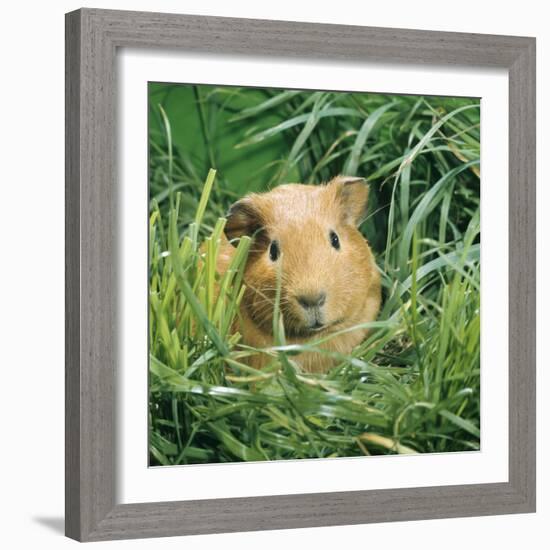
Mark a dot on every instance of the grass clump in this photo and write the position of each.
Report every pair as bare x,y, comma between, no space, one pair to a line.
414,384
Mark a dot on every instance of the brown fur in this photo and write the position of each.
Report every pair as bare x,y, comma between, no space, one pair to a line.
300,218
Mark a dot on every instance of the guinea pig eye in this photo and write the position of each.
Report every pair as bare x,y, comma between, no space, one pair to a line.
334,240
274,251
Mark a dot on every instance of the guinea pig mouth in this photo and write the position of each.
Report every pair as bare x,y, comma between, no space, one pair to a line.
313,328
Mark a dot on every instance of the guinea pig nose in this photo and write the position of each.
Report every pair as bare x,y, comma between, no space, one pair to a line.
311,300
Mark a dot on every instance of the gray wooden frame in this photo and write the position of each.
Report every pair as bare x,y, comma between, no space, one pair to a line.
92,38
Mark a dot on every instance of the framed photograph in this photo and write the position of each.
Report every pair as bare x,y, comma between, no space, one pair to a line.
300,275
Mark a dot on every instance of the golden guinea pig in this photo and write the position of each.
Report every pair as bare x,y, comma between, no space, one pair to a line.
329,280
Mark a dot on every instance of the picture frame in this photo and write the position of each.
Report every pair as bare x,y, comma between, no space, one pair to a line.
92,39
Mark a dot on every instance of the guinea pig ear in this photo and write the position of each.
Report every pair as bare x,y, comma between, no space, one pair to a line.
352,194
243,218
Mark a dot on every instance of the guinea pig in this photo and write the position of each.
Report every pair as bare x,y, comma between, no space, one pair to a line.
329,279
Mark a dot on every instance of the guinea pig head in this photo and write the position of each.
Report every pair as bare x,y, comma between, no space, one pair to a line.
307,235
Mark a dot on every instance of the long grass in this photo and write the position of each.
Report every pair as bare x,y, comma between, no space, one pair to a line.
414,384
